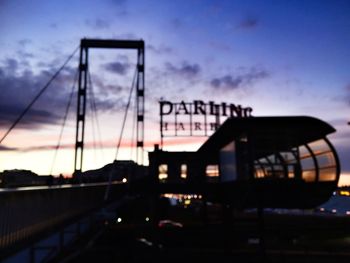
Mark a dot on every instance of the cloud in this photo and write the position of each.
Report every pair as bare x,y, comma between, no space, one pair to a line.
248,22
127,36
162,49
220,46
185,70
98,23
53,25
11,65
24,42
119,2
120,7
343,151
110,104
117,67
24,55
176,23
19,86
339,122
8,113
126,143
347,94
47,147
240,80
5,148
107,97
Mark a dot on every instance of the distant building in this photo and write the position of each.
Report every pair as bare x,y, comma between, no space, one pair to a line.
118,170
19,178
174,167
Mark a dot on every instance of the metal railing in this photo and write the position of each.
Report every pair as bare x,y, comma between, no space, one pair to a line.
28,212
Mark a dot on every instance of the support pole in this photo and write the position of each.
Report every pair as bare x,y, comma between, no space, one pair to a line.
140,107
81,110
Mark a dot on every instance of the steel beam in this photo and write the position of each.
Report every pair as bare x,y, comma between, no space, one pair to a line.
103,43
81,110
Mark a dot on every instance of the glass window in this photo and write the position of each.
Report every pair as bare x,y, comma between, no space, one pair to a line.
183,171
327,174
163,172
271,159
263,161
319,146
259,171
228,162
325,160
278,171
291,171
212,170
307,163
309,175
303,152
288,157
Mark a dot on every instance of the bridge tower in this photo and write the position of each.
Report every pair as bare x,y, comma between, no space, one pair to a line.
85,44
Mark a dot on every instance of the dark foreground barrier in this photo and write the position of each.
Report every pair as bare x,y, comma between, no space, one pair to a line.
29,212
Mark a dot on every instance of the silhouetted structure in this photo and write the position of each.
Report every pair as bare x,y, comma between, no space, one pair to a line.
118,171
282,162
85,45
19,178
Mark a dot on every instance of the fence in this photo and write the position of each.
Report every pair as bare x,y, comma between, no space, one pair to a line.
28,212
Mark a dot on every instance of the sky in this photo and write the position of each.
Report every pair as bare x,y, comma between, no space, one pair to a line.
278,57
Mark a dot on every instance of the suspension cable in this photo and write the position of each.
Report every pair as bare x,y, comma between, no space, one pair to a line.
133,132
92,119
112,170
38,96
64,121
95,115
126,114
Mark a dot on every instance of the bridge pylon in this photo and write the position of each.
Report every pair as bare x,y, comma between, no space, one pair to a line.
85,45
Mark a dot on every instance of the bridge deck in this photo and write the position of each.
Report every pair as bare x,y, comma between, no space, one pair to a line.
288,239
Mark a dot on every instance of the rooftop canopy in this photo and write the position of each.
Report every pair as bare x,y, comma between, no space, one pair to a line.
282,132
274,146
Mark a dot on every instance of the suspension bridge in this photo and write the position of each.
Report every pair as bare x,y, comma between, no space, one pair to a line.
252,162
30,213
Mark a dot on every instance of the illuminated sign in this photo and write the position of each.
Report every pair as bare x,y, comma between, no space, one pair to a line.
196,118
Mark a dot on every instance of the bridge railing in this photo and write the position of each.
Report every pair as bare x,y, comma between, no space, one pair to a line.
29,211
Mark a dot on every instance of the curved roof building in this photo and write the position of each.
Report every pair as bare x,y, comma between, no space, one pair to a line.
274,161
277,162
